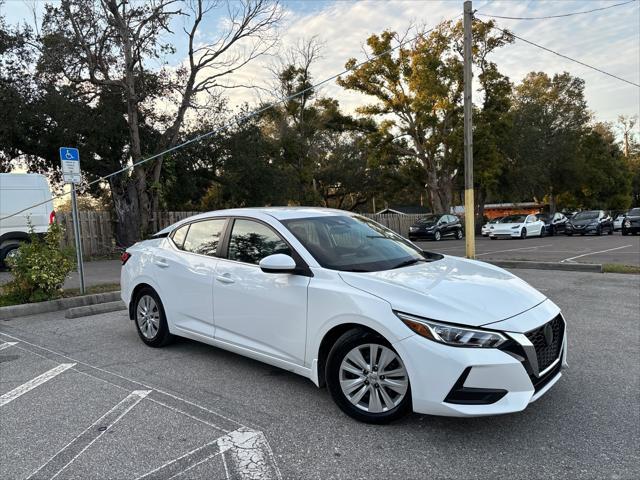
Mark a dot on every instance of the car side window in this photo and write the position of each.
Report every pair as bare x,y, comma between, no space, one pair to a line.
251,241
178,235
204,237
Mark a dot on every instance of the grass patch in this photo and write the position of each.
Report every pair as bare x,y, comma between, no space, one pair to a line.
8,300
619,268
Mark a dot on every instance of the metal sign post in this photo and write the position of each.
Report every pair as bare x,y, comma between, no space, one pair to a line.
70,159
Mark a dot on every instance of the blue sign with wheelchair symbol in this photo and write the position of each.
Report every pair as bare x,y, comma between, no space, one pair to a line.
69,154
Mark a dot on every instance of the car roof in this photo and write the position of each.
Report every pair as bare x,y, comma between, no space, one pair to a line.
279,213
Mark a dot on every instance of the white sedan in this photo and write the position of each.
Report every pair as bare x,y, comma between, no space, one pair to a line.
486,228
349,304
517,226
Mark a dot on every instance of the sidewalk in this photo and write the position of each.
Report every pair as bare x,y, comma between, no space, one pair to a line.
97,272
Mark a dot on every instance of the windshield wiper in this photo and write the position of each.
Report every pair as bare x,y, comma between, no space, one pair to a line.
406,263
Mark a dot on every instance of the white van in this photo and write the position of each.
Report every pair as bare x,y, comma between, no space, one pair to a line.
17,192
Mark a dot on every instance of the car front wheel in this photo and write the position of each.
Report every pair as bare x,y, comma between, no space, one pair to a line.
367,379
459,234
523,234
151,322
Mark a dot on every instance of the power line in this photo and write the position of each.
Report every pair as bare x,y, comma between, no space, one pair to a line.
224,127
509,32
556,16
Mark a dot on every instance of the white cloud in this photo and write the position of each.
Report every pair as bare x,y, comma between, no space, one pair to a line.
608,39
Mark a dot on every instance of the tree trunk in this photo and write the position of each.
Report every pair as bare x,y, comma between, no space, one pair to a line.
127,211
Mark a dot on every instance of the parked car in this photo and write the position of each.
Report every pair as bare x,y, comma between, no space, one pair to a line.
590,221
631,222
553,224
350,304
617,222
436,226
517,226
18,192
487,226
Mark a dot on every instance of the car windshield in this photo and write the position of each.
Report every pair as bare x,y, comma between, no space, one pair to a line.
353,243
588,215
428,220
542,216
514,219
496,220
634,212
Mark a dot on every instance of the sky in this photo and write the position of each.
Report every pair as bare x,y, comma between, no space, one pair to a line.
609,40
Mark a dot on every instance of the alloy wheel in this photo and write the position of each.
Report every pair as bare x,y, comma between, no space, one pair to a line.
373,378
148,316
437,236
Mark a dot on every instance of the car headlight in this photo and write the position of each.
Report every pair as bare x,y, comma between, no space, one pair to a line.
452,334
517,226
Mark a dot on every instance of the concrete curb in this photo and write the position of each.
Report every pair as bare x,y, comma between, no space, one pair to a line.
570,267
95,309
14,311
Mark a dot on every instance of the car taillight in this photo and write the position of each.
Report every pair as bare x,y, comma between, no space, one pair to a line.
125,257
52,217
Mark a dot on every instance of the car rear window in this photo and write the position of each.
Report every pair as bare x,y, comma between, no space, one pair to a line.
203,237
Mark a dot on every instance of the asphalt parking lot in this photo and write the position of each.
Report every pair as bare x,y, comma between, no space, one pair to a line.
85,399
614,248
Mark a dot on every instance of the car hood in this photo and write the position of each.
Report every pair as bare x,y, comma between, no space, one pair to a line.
451,290
505,226
584,222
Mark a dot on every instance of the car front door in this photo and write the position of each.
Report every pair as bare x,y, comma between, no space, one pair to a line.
185,276
262,312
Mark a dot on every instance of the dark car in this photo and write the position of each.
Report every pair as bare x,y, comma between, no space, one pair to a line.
590,221
436,226
556,223
631,222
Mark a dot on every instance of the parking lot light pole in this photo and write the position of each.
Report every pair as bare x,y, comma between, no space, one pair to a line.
469,220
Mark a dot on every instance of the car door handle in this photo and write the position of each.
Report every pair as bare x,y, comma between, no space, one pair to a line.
161,262
225,278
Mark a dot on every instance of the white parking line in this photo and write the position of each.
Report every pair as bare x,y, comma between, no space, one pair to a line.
512,250
7,345
76,447
594,253
31,384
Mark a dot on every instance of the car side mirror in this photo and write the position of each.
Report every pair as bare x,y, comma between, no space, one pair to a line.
277,263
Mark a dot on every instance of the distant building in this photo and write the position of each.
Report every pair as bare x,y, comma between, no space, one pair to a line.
494,210
405,210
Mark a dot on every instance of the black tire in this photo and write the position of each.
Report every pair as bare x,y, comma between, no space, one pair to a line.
543,232
493,238
459,234
624,232
523,234
162,336
437,235
599,231
345,344
6,251
569,234
611,231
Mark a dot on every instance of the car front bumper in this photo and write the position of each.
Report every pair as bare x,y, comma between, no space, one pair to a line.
515,233
499,382
421,234
585,229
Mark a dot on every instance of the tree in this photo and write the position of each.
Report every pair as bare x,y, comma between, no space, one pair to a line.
110,47
631,149
549,120
603,180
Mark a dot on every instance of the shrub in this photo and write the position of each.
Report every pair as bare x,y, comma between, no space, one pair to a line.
39,269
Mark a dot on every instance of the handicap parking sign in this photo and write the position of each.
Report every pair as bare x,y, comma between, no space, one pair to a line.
70,161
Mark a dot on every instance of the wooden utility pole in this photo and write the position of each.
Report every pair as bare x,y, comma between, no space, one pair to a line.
469,210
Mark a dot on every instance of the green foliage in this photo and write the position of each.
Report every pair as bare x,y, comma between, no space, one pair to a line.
39,269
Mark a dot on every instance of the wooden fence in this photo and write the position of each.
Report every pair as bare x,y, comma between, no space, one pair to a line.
398,223
98,228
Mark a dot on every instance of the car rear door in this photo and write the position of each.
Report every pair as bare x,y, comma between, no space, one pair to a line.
262,312
185,271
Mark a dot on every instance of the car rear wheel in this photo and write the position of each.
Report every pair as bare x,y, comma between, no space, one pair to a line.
150,319
367,379
9,252
437,236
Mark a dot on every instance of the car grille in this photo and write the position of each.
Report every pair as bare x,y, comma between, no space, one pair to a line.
547,352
